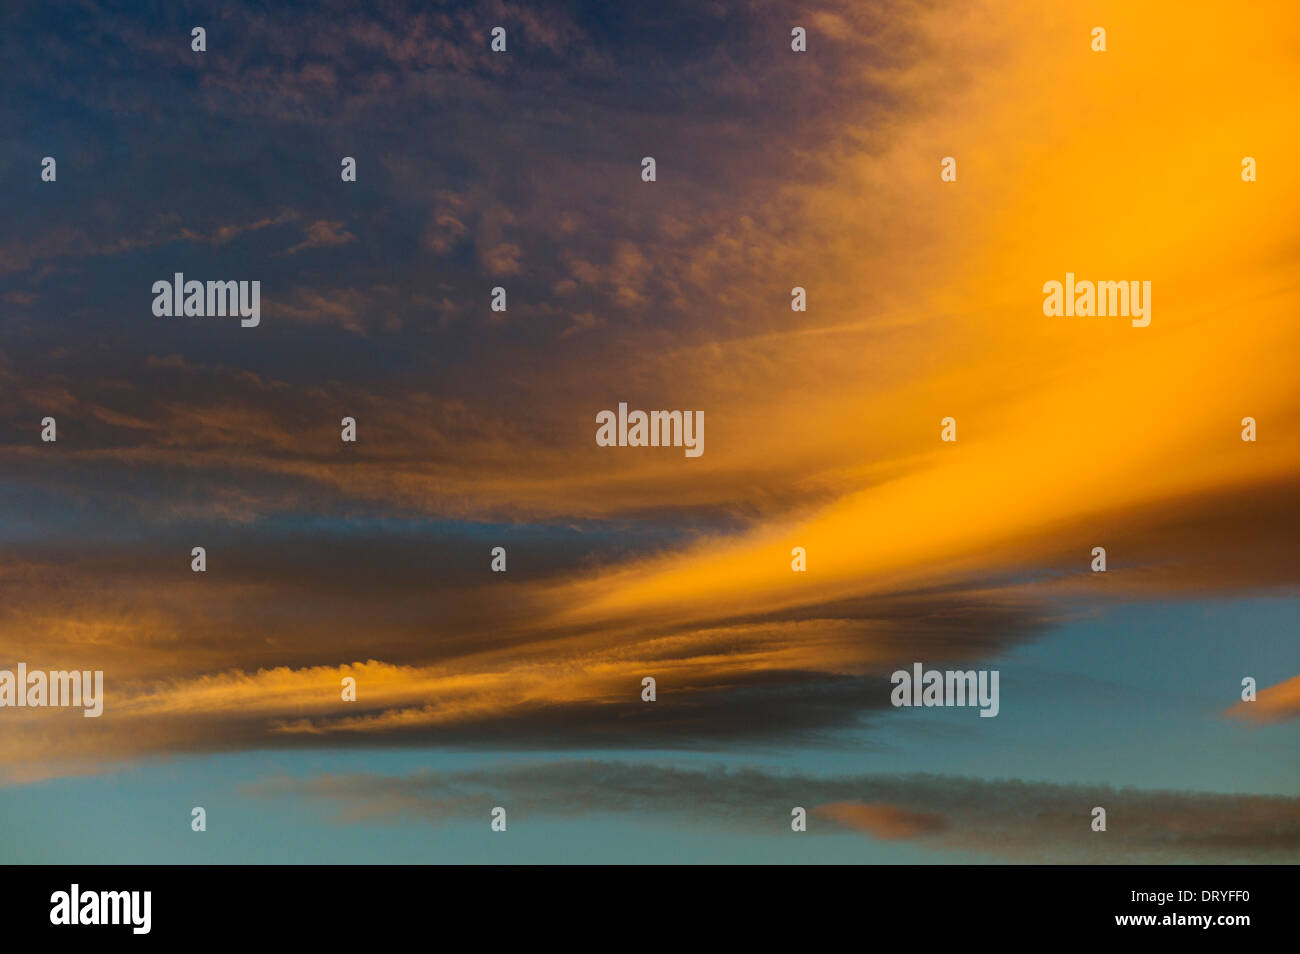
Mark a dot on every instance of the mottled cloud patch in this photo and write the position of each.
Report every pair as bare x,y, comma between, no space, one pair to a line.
322,234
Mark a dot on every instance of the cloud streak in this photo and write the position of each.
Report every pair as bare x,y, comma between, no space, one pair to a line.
1007,820
1274,704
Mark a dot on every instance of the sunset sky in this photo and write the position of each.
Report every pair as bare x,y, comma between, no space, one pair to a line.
475,429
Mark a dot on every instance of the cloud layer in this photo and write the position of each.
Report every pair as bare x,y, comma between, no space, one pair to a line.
1006,820
475,428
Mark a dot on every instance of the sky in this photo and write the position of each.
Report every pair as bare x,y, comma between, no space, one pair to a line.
371,560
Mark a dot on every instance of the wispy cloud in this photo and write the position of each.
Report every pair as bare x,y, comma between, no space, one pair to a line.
1009,819
1273,704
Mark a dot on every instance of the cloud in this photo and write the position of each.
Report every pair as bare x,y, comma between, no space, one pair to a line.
322,234
490,673
503,259
882,821
1007,820
224,234
584,321
1274,704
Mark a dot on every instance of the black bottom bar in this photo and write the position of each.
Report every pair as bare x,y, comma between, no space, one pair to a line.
657,905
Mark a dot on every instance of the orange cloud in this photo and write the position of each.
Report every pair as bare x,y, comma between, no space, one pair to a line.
1274,704
883,821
